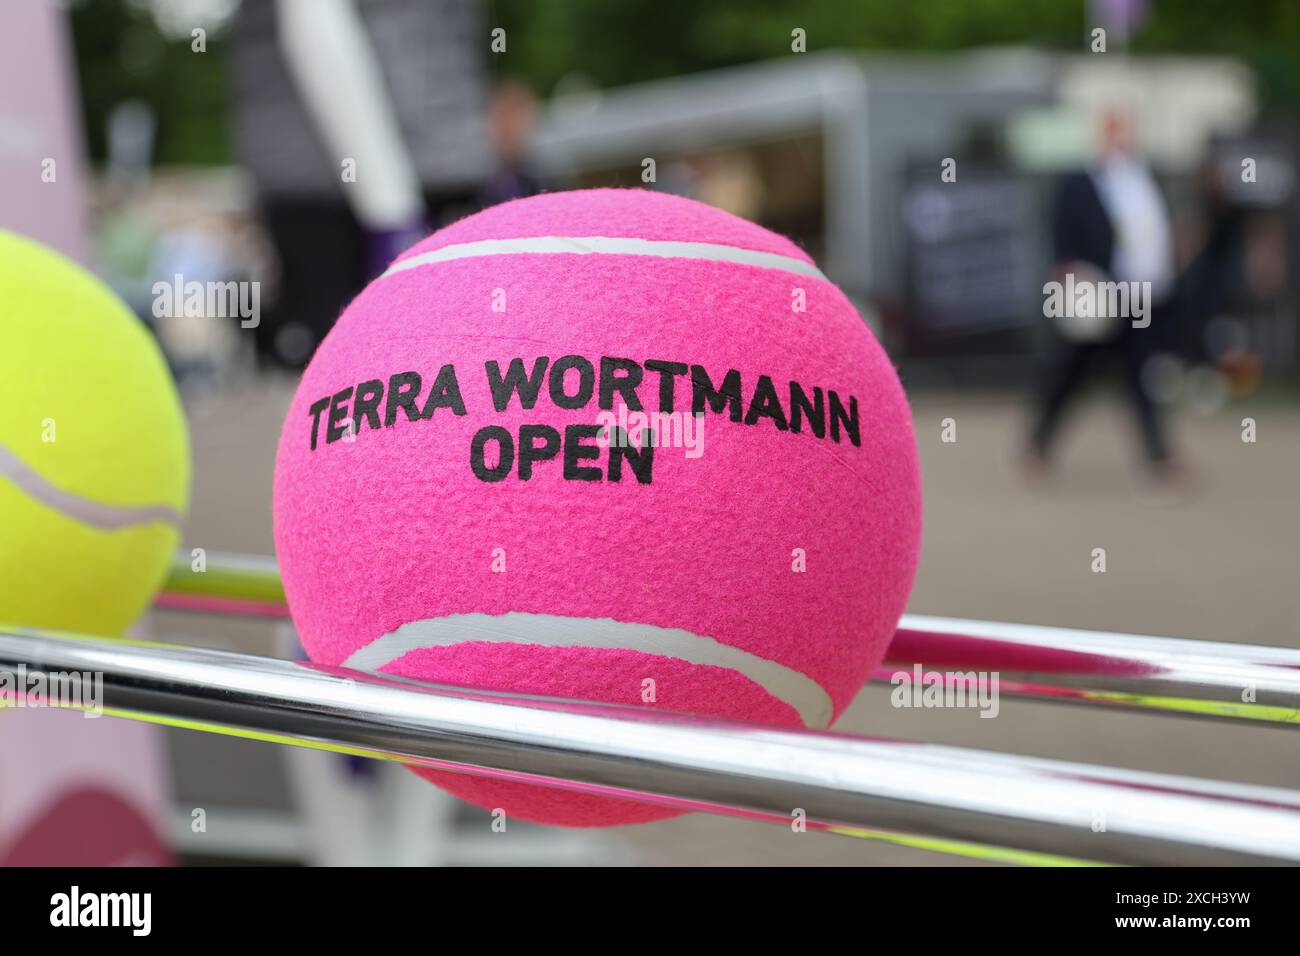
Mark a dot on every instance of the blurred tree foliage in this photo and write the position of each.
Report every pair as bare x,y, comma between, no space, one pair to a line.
122,53
611,43
1263,33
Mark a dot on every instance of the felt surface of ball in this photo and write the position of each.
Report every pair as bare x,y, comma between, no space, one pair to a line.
463,494
94,452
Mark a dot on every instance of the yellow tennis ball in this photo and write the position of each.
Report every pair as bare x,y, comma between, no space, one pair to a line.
94,453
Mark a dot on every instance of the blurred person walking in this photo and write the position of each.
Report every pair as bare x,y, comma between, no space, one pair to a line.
362,125
1214,282
512,117
1110,225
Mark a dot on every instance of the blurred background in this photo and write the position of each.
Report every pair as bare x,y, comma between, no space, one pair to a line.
940,160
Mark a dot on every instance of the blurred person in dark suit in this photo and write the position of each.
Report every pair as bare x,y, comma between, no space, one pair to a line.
1110,224
362,124
1213,283
512,117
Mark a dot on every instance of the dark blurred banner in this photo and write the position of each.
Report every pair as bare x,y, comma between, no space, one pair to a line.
971,258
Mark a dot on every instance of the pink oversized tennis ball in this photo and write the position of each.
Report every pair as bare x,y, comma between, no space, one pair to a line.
467,489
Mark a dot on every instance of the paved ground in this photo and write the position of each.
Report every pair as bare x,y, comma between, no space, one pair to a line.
1217,563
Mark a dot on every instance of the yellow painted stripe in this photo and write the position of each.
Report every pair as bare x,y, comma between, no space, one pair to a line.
1191,705
251,584
975,851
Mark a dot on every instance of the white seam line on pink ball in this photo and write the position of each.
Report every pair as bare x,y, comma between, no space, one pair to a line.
800,691
93,513
609,246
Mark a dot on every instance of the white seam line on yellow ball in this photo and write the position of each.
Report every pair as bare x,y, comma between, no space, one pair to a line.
605,245
93,513
798,690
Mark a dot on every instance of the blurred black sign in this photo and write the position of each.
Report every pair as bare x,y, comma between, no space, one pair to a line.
973,263
1254,173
